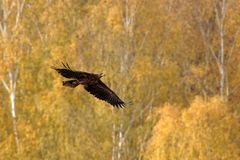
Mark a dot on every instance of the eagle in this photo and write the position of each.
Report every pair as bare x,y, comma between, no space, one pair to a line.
91,83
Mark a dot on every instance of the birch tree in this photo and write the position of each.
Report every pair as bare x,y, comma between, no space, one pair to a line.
211,21
9,28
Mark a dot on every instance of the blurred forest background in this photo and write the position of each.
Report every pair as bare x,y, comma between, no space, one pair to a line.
176,60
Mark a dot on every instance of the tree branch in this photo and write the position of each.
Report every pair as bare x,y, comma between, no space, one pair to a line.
19,12
6,86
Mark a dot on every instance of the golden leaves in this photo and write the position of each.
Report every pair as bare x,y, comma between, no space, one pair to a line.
202,131
114,19
160,45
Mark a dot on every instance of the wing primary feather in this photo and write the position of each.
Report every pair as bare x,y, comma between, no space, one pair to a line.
68,66
64,65
101,91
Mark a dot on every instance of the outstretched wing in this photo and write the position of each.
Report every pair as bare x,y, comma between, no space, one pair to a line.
101,91
67,72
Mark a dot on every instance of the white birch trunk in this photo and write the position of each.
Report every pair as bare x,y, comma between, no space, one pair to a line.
11,89
8,30
120,141
222,65
220,23
114,142
219,57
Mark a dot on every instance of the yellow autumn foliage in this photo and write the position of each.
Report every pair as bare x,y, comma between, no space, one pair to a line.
162,57
204,130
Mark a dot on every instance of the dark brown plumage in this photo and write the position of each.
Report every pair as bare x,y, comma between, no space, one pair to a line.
91,83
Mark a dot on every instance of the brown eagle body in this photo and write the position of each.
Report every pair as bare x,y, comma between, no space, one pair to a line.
91,83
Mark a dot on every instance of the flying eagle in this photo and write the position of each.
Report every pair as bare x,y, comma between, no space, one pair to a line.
91,83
